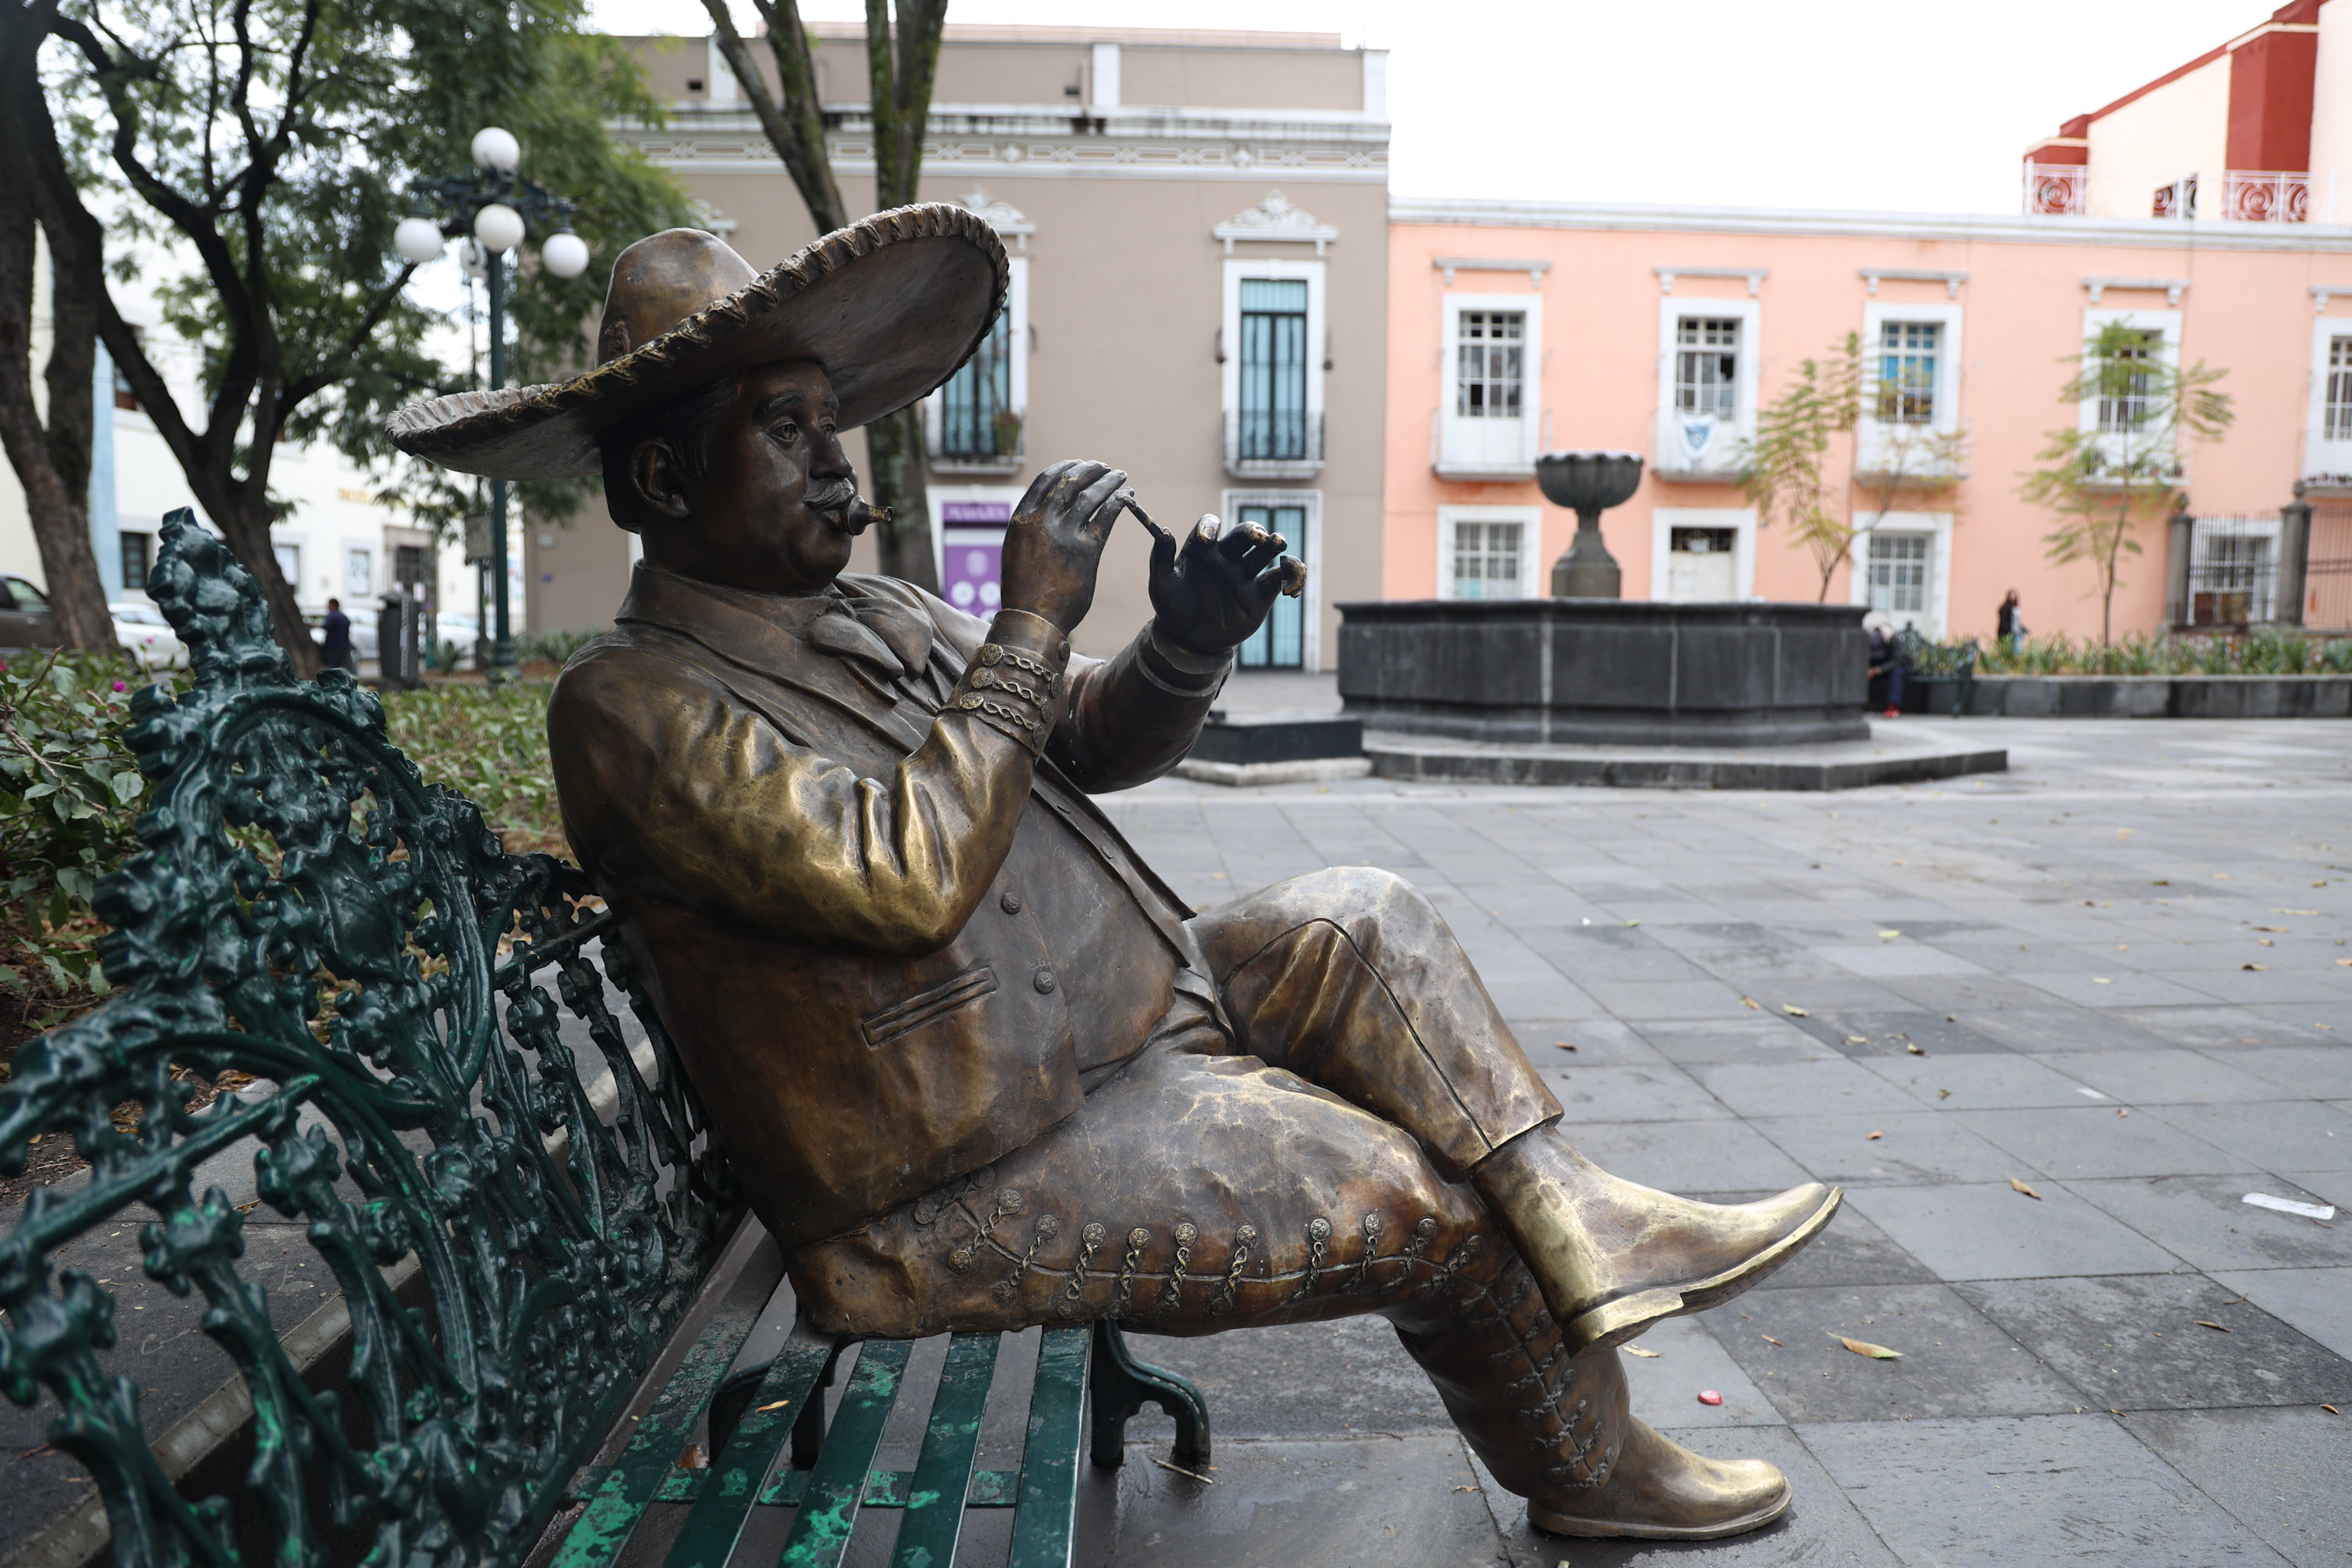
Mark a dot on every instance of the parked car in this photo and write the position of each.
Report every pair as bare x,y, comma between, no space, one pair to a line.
25,618
147,636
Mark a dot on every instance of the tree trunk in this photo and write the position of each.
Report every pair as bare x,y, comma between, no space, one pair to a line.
246,528
52,464
895,447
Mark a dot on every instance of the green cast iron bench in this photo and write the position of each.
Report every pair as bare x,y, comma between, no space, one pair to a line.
547,1275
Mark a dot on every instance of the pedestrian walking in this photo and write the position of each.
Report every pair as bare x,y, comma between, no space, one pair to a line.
2011,629
335,639
1887,660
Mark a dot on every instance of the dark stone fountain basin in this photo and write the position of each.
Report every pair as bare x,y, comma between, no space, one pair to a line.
1606,671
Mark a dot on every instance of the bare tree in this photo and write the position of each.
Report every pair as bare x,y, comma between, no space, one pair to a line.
49,452
901,63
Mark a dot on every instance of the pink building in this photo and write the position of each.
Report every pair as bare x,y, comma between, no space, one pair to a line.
1519,327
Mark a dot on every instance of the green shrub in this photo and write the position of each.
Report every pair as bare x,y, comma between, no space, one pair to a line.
554,648
2274,650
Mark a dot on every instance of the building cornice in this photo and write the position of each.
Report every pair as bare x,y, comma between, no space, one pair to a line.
2152,233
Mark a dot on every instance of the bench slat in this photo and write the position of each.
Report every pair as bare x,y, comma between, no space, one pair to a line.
731,1484
837,1485
651,1456
1048,1515
936,1496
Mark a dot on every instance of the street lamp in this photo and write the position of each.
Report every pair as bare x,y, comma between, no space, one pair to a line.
494,207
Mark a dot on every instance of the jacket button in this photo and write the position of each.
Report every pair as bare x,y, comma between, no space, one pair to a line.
1044,981
1010,903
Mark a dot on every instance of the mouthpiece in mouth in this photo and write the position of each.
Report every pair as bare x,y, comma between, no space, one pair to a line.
861,514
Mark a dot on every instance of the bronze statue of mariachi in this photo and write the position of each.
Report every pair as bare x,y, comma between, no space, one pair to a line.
977,1067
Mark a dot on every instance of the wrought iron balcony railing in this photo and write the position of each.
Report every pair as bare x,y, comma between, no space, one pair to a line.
1273,442
966,438
2244,196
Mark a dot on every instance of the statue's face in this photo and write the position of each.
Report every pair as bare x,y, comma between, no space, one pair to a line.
770,510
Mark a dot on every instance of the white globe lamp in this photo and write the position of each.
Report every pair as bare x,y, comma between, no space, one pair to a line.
496,149
566,255
418,239
498,227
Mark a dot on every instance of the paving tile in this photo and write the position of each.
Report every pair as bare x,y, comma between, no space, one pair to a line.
1820,1530
2051,1029
2165,1076
2118,987
1599,1042
2321,1072
1866,1034
1991,1232
1665,1386
1890,958
1299,1380
1613,953
1660,1093
2281,1472
2007,1491
2216,1027
2316,1300
1916,1147
2000,1080
2207,1221
1851,1251
1636,1000
1745,1037
1410,1500
2325,1186
1542,995
2293,1132
2096,1142
1792,1088
1954,1362
2134,1341
1688,1156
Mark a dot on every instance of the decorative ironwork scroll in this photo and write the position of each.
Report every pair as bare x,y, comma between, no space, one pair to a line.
310,912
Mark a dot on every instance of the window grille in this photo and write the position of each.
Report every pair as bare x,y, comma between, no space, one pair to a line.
1280,643
1898,572
1908,352
138,560
1706,365
1487,379
1487,560
977,398
1273,413
2340,389
2126,406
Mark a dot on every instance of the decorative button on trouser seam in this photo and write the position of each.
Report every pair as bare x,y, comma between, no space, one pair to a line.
1011,903
1044,980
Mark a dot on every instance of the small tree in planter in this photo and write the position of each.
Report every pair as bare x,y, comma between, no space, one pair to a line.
2102,476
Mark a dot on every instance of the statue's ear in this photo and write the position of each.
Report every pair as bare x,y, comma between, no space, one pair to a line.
659,483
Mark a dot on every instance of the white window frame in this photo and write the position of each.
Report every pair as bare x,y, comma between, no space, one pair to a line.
1741,520
1310,604
2320,455
1932,621
1531,558
1672,459
1017,306
1451,305
1317,347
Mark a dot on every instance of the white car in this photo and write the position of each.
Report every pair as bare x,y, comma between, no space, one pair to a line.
144,633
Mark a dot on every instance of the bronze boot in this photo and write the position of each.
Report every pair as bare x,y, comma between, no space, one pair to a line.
1614,1258
1659,1491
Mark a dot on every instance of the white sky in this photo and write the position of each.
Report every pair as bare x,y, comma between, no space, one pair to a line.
1819,103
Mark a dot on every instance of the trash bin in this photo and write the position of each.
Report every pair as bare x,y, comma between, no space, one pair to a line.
399,638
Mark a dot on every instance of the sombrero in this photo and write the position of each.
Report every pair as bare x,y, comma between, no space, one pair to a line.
890,306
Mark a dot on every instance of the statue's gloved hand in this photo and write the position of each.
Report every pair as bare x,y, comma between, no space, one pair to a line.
1053,545
1212,593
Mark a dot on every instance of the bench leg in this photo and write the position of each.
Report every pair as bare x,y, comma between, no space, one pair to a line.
1123,1385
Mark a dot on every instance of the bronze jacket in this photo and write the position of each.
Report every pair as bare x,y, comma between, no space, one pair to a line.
886,943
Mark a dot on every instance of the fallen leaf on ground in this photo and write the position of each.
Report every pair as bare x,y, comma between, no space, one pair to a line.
1943,1094
2121,1112
2265,941
1857,1040
2209,1324
1913,1047
1770,1341
2344,964
2101,980
1633,922
2331,1410
1874,1136
1888,935
2019,1186
1565,1045
1751,1002
2280,929
2253,966
693,1458
1795,1011
779,1404
1637,1350
1863,1347
1188,1475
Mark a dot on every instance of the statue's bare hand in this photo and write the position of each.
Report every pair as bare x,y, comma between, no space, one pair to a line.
1054,546
1212,593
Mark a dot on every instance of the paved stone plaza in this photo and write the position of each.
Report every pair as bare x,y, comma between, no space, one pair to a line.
2123,967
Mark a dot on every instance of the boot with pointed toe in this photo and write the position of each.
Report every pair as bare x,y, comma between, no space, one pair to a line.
1612,1257
1659,1491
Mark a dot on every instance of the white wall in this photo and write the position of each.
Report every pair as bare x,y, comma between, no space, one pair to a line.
2331,100
2182,127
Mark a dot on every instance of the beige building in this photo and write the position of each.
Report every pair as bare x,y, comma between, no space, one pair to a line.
1198,227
